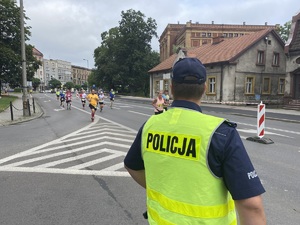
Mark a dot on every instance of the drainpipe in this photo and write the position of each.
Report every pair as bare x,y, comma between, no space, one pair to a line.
221,84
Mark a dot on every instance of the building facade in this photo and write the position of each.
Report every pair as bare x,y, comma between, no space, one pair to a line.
39,74
57,69
193,35
80,75
246,69
292,50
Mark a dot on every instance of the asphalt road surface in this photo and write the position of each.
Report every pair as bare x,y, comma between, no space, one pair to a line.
64,169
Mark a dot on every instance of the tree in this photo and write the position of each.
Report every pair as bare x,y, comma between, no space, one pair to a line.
69,85
284,30
35,83
54,83
125,54
10,45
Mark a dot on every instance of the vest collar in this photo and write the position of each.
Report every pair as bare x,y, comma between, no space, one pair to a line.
186,104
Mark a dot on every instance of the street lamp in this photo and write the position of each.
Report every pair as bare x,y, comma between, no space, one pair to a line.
87,63
87,84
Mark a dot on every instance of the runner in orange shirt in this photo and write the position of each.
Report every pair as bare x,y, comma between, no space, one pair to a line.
93,100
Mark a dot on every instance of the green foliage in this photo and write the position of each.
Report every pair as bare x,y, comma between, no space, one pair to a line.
35,82
10,46
69,85
77,87
92,79
125,54
54,83
18,90
284,30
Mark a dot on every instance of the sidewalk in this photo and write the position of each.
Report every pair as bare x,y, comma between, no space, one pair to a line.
221,105
17,109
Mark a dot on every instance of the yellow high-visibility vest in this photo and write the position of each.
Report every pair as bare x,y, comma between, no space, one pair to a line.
181,189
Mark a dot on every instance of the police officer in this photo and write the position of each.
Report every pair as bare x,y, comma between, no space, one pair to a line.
194,166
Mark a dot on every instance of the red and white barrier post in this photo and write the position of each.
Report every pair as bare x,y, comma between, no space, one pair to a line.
261,110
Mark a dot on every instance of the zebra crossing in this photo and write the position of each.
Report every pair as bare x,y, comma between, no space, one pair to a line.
97,149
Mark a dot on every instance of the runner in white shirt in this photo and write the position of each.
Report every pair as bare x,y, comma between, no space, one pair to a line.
101,100
83,98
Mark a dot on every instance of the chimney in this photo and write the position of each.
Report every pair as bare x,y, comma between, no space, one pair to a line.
266,23
212,22
244,23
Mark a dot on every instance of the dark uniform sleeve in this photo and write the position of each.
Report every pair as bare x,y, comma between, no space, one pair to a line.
228,159
133,159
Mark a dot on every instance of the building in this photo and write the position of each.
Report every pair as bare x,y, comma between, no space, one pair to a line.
39,74
80,75
245,69
195,35
292,50
57,69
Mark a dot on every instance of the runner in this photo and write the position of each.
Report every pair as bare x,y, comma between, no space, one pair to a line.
101,100
68,99
62,98
83,98
158,104
112,97
166,98
57,94
93,99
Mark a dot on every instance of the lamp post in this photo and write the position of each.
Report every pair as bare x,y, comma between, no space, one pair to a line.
24,76
87,83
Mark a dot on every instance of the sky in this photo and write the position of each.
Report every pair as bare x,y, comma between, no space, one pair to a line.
70,30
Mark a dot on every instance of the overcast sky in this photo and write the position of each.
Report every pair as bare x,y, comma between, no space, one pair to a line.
70,30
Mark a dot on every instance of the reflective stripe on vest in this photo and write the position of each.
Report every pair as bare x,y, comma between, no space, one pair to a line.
175,157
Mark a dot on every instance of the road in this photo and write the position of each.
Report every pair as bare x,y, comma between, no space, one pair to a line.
64,169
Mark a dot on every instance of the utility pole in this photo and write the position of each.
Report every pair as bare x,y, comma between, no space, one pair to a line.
87,83
24,76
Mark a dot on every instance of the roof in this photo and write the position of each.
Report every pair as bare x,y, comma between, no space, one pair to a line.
228,50
293,43
37,52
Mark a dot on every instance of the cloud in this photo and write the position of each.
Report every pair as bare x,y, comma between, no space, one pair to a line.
70,30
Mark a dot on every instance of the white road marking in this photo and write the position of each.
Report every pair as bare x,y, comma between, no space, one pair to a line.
140,113
65,171
109,138
251,131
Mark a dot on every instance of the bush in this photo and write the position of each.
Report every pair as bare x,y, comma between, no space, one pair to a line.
18,90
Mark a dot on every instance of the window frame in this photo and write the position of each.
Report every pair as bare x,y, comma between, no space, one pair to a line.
276,59
261,57
211,85
283,86
252,85
269,86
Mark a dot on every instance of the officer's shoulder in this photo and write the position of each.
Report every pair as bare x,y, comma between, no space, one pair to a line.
230,124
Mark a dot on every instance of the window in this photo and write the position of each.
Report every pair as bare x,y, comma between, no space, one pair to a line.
266,85
166,85
281,86
249,85
230,35
211,85
203,34
260,58
208,34
204,41
157,86
275,61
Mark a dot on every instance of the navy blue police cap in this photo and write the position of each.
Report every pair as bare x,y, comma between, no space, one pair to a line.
189,67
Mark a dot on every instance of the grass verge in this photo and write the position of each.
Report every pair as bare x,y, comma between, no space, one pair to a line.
5,101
